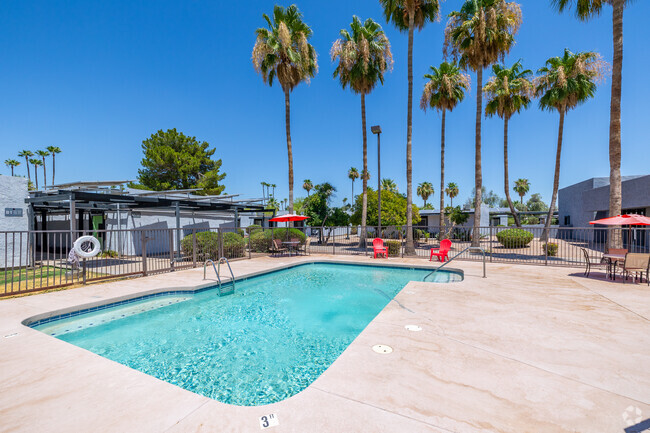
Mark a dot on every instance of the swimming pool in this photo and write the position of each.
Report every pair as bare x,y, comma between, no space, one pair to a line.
266,342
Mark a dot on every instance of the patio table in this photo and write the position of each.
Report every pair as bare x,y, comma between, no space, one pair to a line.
292,246
612,261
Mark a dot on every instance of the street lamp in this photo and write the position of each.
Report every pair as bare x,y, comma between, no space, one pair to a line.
377,130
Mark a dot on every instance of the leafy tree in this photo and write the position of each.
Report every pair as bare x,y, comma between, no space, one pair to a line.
456,215
363,56
175,161
482,32
451,191
282,51
535,203
54,150
489,198
407,15
509,91
298,205
307,186
393,209
564,83
43,154
26,154
425,190
522,186
353,174
36,163
444,91
11,163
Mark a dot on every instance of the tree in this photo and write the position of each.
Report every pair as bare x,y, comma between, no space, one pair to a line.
489,198
389,185
564,83
36,163
353,174
509,91
363,56
11,163
482,32
273,186
444,91
282,51
535,203
307,186
407,15
425,190
173,160
298,205
586,9
452,191
317,205
26,154
522,186
393,209
53,150
43,154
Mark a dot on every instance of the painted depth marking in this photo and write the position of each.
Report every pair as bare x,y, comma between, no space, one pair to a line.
267,421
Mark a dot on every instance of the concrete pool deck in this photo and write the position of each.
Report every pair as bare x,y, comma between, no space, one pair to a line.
528,349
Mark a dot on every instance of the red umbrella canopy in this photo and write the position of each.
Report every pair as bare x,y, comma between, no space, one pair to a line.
624,220
289,217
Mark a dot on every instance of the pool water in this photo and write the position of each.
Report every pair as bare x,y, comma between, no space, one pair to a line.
266,342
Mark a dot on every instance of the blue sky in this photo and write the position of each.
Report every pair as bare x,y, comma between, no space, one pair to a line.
96,78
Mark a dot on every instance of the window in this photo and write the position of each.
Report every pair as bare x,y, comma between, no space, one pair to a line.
567,220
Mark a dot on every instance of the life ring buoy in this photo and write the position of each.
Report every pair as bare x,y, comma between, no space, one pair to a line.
87,246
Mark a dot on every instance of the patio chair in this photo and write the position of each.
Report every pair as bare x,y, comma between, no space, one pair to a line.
378,248
304,248
276,247
443,252
636,264
591,261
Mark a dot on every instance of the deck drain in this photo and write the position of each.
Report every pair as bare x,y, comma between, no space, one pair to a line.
413,328
382,348
11,335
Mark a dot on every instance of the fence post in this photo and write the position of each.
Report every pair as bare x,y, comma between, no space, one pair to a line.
171,249
333,240
220,248
491,242
143,246
548,236
401,245
194,248
250,253
83,265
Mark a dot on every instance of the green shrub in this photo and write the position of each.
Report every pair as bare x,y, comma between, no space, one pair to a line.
109,253
233,245
514,238
260,241
207,245
353,230
394,248
550,249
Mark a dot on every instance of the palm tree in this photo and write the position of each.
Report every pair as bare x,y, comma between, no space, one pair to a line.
11,163
263,190
53,150
451,191
43,154
444,91
363,55
563,84
282,51
26,154
509,91
353,174
425,190
389,185
407,15
482,32
522,186
273,186
36,162
307,186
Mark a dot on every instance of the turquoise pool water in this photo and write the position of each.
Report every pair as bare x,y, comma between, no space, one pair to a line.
268,341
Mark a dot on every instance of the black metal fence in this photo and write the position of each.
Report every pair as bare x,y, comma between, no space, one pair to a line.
39,260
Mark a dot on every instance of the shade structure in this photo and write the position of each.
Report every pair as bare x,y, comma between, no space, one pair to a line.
624,220
289,217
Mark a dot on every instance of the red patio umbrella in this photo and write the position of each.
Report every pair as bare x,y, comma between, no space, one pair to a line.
289,217
624,220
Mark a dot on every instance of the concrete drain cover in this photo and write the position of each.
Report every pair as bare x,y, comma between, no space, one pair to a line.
382,348
413,328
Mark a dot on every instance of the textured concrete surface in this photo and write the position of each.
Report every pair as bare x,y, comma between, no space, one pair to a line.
528,349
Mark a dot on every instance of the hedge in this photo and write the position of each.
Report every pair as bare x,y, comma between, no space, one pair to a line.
550,249
207,245
260,241
394,248
514,238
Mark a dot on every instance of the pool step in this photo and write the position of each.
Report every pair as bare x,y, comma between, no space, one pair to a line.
226,288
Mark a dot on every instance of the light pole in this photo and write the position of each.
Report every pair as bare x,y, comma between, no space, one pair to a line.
377,130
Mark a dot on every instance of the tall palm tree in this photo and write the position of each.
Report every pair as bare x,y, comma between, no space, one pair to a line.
522,186
389,185
444,91
26,154
353,174
425,190
363,56
282,51
407,15
263,190
452,191
53,150
586,9
36,163
307,186
273,186
11,163
43,154
508,92
482,32
563,84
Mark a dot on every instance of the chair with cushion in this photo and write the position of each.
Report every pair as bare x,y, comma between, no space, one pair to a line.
378,248
442,252
636,264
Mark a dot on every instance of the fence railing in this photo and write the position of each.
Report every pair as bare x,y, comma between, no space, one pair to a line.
39,260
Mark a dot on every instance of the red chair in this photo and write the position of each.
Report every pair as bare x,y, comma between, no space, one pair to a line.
445,246
378,247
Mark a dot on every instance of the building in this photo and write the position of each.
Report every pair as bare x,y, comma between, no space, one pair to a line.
430,218
13,218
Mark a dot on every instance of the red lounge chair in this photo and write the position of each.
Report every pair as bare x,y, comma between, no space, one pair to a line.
445,246
379,248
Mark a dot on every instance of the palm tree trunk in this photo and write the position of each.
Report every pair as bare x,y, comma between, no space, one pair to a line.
351,201
29,177
36,175
287,116
44,175
556,179
478,174
12,171
53,168
409,248
615,192
364,176
442,175
506,180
